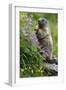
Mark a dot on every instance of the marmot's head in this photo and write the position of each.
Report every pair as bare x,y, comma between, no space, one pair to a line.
42,22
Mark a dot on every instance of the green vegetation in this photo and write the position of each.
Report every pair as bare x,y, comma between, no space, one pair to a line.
31,62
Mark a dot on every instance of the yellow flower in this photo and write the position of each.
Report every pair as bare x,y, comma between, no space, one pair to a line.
22,70
32,71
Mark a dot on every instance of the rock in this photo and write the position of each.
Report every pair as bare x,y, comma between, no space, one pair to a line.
51,69
51,66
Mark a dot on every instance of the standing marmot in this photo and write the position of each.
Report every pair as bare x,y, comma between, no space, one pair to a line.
45,40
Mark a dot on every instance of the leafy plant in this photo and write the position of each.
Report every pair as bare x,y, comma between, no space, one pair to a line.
30,59
31,62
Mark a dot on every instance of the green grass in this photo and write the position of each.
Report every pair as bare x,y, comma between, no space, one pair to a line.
30,60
